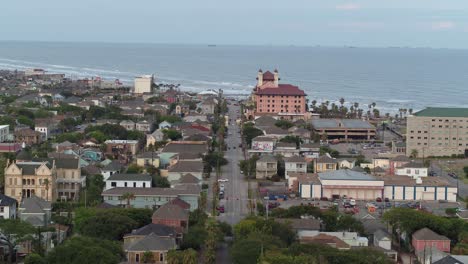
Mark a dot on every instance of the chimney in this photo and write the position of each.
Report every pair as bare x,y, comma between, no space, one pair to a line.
259,78
276,78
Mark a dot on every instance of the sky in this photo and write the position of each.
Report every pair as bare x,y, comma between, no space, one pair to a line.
367,23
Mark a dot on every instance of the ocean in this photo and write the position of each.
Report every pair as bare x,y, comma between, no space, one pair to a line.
393,78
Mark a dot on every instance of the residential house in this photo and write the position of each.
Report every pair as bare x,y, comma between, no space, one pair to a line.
399,148
68,177
128,180
46,128
302,225
153,197
4,132
310,150
186,147
412,169
286,149
112,168
350,238
28,136
156,136
148,158
128,124
208,106
143,126
346,163
300,132
267,166
176,171
121,147
171,214
186,179
382,239
156,245
294,164
397,162
325,163
165,125
7,207
425,237
26,179
142,232
35,211
452,259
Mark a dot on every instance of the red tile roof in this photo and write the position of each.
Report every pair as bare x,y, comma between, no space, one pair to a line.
268,76
282,89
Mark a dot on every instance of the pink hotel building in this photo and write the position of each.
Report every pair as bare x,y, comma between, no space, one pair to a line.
272,97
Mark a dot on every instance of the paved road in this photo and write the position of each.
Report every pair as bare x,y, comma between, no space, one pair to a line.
462,187
236,189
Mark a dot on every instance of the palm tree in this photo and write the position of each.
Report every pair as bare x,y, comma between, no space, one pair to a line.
414,153
373,104
342,101
127,196
172,257
190,256
410,111
46,184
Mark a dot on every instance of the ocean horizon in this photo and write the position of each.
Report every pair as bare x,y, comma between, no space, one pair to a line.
393,77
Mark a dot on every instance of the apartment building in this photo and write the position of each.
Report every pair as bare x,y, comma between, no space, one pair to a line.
437,131
143,84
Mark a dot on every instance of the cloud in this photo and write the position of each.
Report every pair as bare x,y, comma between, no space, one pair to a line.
442,25
348,6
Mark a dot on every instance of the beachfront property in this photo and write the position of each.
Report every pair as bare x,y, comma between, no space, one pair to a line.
272,97
437,131
347,129
143,84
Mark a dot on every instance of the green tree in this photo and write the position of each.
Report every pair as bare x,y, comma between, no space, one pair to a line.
147,257
250,132
107,225
15,231
172,134
292,139
127,197
134,168
34,258
414,153
81,249
284,124
93,190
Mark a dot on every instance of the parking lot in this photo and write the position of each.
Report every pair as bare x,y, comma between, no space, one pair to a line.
360,148
360,210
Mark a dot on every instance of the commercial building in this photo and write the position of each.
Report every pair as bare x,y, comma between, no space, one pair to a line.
437,131
143,84
344,129
274,98
362,186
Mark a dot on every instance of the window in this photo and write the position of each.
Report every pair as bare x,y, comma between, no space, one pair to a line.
408,171
144,185
137,257
161,257
1,209
134,184
125,184
113,184
416,171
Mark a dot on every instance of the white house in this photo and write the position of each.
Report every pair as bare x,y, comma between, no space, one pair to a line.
7,207
111,169
412,169
183,167
4,131
128,180
164,125
346,163
45,128
382,239
294,164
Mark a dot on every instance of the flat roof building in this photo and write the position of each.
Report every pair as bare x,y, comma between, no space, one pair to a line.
437,131
344,128
143,84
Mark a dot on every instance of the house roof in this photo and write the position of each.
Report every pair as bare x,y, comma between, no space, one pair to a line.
263,138
268,76
285,145
113,166
325,159
267,158
157,229
346,175
341,123
413,164
265,121
181,203
303,224
185,190
450,260
34,205
295,158
171,211
274,130
129,177
326,240
380,234
6,200
401,158
427,234
153,242
184,146
189,178
443,112
29,168
282,89
187,166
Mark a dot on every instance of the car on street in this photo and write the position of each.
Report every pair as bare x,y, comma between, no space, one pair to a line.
220,208
379,200
221,195
223,180
352,202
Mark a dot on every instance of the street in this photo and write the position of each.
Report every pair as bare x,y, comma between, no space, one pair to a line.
236,188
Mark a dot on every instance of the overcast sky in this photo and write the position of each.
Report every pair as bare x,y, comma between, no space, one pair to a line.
382,23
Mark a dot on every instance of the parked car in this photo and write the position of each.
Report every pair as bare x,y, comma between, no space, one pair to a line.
221,208
323,199
272,205
352,202
387,200
221,195
379,200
